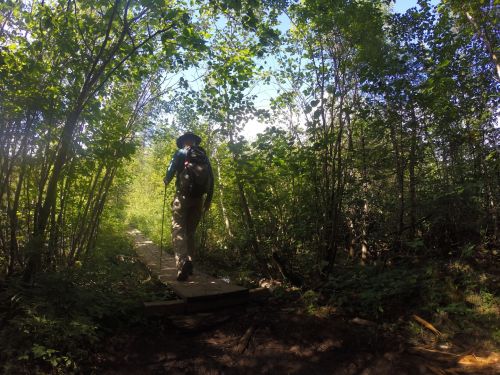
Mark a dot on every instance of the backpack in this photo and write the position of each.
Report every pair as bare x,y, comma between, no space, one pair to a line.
194,179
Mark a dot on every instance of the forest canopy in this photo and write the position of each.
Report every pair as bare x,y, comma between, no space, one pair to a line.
381,139
382,130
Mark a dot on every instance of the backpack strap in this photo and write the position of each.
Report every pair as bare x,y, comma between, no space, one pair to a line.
188,157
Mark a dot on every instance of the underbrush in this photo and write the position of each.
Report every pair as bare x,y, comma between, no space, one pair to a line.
229,264
459,294
59,325
460,297
371,293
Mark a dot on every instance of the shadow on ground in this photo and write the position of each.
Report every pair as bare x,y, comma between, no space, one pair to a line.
273,339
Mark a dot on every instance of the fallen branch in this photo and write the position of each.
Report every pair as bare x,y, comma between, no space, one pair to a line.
362,322
245,340
471,360
427,325
419,349
436,370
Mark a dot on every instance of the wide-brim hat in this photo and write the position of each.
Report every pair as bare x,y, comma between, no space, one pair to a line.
187,135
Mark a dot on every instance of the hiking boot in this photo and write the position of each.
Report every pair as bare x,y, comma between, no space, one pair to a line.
189,266
185,271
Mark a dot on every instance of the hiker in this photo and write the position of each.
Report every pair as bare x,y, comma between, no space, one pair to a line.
194,179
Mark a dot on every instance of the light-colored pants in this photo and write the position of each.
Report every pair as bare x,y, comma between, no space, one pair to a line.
186,214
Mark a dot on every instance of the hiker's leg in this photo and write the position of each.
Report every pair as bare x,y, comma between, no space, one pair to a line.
192,220
179,240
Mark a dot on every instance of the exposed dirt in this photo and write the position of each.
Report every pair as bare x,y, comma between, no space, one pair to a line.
278,339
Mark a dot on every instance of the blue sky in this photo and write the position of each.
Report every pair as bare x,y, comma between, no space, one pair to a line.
402,5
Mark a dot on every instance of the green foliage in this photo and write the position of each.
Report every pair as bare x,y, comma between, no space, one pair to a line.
310,300
377,173
375,293
59,325
77,91
145,190
469,307
454,300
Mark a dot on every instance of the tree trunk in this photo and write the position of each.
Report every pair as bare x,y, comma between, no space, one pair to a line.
98,212
221,197
411,171
399,164
364,212
247,215
81,221
14,247
36,243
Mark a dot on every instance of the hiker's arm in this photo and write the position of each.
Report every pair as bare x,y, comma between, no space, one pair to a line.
210,192
172,168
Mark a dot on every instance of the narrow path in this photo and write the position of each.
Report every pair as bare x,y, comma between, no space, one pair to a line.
200,292
274,338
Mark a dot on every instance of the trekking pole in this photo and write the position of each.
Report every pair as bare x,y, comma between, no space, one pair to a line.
203,238
162,225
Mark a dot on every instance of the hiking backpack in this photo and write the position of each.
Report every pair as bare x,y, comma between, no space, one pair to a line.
194,179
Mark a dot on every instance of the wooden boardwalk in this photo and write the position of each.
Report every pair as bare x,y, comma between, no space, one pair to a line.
199,293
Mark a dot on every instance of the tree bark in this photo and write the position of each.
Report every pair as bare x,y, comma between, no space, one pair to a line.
14,247
399,165
221,197
35,245
411,171
364,212
247,215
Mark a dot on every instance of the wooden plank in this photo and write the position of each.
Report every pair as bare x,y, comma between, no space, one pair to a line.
198,287
223,301
176,307
200,321
179,307
259,294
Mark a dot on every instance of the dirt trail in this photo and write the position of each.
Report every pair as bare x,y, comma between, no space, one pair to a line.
275,339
